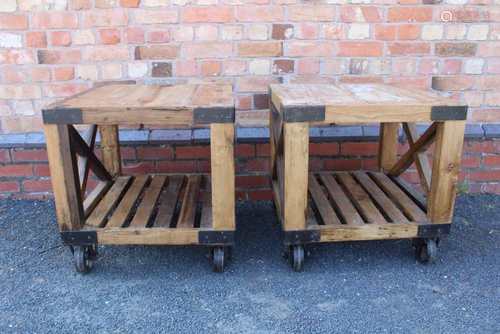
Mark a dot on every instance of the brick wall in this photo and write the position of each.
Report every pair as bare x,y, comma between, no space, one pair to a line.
24,172
50,49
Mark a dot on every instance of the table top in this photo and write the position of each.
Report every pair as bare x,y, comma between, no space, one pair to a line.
357,103
132,103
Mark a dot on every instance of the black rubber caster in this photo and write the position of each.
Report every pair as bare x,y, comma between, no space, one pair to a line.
426,250
84,257
297,257
219,258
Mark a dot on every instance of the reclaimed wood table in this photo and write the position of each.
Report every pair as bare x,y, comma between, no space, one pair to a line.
157,209
365,205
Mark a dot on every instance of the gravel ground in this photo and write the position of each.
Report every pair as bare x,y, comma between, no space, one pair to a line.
346,287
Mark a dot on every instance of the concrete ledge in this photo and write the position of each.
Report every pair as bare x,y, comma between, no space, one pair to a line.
244,134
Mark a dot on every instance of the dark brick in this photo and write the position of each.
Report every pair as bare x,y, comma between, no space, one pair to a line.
282,31
456,49
261,101
283,66
161,70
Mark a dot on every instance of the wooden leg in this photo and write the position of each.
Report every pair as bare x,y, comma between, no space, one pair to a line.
296,160
64,175
110,146
388,146
222,169
445,170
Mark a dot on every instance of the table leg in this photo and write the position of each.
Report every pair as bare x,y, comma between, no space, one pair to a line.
222,170
445,170
64,176
296,165
110,146
388,146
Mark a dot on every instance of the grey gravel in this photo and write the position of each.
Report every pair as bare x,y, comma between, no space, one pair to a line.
375,287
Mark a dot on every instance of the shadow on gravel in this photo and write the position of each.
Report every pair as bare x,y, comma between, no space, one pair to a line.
346,287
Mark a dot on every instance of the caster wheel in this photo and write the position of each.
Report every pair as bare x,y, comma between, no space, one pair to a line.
297,257
218,259
83,258
426,251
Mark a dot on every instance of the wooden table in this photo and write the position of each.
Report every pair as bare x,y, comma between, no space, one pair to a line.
365,205
156,209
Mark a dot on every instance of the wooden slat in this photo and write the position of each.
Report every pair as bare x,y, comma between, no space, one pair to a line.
410,190
321,202
147,236
361,199
110,147
64,177
296,160
222,176
347,210
124,209
388,146
95,197
368,232
445,170
148,203
379,196
98,217
189,201
420,145
83,150
311,218
421,159
206,211
399,197
168,201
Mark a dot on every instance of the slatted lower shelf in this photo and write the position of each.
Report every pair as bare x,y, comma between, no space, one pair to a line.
364,205
151,209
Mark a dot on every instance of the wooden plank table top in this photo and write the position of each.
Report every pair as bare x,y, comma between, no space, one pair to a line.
361,103
187,104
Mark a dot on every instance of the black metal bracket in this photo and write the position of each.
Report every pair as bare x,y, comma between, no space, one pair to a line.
301,237
449,113
62,116
303,113
213,115
79,238
433,230
216,237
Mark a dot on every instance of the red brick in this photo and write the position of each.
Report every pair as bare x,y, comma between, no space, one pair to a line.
37,185
13,22
493,188
283,66
130,3
385,32
360,49
408,31
491,161
64,73
60,38
16,170
80,4
361,148
260,49
489,146
323,149
110,36
261,101
452,83
456,49
307,12
207,50
409,48
360,14
316,165
159,36
134,35
252,181
159,52
29,155
484,175
156,16
211,68
105,18
369,164
36,39
59,56
155,153
54,20
4,156
409,14
63,89
139,168
128,153
263,150
253,165
192,152
41,170
106,53
342,164
309,49
244,150
259,13
260,195
188,166
9,186
215,14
